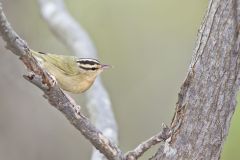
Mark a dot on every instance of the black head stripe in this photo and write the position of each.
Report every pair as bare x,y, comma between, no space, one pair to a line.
88,61
88,64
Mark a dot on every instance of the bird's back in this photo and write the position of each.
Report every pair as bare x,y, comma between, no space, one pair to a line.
66,64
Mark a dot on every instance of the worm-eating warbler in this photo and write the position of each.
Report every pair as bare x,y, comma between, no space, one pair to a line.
73,74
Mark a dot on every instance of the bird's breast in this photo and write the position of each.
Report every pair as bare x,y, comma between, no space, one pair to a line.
74,84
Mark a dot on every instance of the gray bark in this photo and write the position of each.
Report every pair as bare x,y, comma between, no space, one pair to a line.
207,98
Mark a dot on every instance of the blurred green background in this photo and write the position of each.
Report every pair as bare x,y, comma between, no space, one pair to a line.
149,43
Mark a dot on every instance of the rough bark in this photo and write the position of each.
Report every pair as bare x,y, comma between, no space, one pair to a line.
207,98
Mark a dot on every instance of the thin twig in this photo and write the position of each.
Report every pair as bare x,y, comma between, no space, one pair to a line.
144,146
54,94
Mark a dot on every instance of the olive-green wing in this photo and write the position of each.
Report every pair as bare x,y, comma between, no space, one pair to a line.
67,64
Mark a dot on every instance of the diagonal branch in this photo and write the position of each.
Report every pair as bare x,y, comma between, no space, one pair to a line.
13,42
70,32
54,94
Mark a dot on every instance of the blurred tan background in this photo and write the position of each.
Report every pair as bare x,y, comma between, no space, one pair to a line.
149,43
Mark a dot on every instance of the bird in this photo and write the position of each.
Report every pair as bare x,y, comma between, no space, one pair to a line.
73,74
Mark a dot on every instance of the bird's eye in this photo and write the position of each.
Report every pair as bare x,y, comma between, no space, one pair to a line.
94,68
88,68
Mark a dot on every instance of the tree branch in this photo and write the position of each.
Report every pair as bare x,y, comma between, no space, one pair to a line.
144,146
76,38
14,43
54,94
207,98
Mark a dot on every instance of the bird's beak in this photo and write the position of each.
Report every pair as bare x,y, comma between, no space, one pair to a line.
105,66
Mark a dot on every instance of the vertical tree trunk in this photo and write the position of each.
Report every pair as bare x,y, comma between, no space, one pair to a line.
207,99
